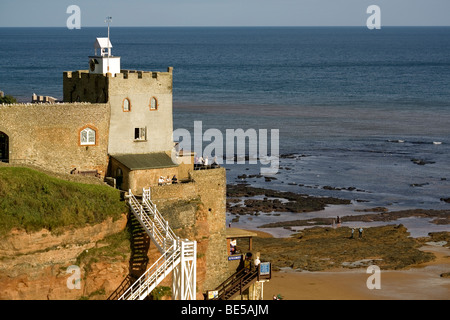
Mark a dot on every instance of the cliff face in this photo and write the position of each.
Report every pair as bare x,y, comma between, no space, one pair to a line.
34,266
37,266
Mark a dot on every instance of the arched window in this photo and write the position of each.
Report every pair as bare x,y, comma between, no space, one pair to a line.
153,104
88,137
126,105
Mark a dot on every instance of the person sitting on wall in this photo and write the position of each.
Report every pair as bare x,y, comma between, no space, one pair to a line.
215,164
196,164
174,179
168,181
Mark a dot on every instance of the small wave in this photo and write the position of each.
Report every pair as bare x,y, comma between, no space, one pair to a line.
415,142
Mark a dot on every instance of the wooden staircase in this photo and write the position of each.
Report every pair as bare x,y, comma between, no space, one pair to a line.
236,284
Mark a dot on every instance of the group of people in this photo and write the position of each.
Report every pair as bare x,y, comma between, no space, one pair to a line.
337,222
360,232
249,264
167,180
204,163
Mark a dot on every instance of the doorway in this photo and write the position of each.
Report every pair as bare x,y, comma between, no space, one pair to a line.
4,147
119,178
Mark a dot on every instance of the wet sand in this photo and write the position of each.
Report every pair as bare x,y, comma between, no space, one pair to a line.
421,282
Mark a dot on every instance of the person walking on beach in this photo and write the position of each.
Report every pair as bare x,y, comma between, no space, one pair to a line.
353,231
360,232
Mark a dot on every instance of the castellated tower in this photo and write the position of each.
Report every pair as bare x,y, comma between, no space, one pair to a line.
140,102
140,129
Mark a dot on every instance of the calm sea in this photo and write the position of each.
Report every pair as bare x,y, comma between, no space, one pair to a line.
356,108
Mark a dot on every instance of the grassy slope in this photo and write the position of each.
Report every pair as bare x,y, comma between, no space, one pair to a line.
32,200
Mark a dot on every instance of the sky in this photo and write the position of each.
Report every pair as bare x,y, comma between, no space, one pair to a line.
52,13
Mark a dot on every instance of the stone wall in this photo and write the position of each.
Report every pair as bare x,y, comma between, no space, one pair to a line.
211,187
207,193
139,88
145,178
48,135
82,86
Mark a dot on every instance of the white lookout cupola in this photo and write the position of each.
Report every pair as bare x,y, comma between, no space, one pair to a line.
104,44
104,62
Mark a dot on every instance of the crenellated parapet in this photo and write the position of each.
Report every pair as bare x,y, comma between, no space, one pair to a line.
83,86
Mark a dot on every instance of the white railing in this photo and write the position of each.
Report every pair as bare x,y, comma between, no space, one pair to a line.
176,255
153,223
149,206
153,276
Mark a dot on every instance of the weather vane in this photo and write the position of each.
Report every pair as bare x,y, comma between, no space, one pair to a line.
108,20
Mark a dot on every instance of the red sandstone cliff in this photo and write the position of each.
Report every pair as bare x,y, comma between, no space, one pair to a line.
33,266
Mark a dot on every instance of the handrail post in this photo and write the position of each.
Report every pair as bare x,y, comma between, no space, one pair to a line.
167,228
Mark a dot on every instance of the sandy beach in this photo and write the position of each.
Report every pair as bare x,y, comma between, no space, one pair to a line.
421,282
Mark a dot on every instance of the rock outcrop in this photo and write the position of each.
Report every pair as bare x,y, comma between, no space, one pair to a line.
34,266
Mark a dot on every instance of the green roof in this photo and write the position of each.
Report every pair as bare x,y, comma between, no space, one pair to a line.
145,161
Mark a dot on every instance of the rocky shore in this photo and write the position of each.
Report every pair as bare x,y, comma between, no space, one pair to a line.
322,247
437,216
326,248
243,199
273,201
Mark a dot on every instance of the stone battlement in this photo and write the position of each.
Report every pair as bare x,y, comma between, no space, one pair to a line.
83,86
124,74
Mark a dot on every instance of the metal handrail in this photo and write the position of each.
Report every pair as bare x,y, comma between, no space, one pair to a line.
158,217
147,223
170,258
150,277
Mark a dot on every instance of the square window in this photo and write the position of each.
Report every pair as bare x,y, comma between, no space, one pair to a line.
140,134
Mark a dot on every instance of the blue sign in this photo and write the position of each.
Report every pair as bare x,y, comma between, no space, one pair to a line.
231,258
264,268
